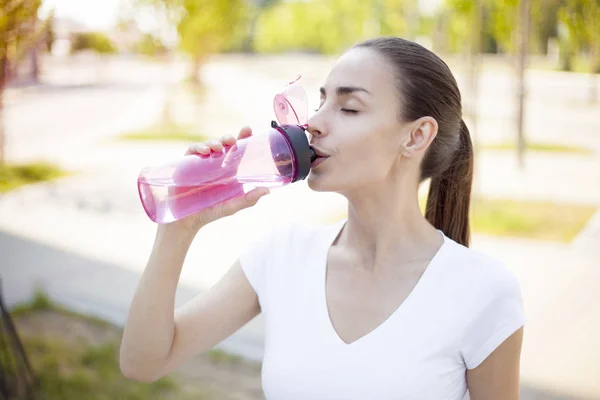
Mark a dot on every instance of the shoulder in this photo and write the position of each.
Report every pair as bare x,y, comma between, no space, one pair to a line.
481,276
488,295
285,241
281,252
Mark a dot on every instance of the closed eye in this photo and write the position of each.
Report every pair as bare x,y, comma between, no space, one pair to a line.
344,110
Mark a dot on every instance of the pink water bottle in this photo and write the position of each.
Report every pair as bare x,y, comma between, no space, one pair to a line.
273,158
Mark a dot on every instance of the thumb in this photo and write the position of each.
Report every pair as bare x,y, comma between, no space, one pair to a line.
248,200
254,195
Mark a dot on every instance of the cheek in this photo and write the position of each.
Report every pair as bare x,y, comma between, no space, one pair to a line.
367,157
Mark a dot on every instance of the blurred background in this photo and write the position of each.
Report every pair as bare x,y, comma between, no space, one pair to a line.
93,91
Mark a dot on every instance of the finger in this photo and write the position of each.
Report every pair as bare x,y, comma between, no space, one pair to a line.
255,194
228,140
198,148
245,132
215,145
251,198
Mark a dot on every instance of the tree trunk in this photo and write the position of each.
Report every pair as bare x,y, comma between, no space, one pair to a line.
35,65
594,62
195,69
474,72
523,40
3,65
248,45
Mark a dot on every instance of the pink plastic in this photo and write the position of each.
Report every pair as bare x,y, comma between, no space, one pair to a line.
291,105
191,183
194,182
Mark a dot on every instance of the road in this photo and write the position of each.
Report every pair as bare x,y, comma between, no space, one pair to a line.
81,102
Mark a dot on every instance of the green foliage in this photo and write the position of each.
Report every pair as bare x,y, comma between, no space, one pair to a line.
165,132
18,27
208,26
503,22
150,46
544,22
581,18
94,41
13,176
500,22
308,27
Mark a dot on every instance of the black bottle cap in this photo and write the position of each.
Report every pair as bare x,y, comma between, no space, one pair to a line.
305,155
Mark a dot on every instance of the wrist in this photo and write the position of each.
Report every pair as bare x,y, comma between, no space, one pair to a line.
172,233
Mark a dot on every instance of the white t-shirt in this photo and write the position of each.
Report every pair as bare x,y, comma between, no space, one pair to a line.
464,306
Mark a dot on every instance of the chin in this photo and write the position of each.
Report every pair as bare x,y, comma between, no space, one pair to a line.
316,182
322,183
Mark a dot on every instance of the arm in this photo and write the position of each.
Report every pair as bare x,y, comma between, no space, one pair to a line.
157,338
497,378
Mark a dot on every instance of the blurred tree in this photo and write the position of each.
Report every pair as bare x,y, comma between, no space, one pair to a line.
207,26
50,33
523,32
95,41
20,30
307,26
582,20
504,16
544,22
204,27
150,45
257,8
499,17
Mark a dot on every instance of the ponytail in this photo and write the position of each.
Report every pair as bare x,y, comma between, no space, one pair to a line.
449,198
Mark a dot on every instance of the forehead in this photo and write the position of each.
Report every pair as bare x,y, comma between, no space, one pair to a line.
364,68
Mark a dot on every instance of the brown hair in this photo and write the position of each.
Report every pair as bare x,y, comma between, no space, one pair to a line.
428,88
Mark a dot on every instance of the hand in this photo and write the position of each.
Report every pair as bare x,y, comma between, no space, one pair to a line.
194,222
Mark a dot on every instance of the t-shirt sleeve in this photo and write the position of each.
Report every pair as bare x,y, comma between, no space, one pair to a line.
259,255
500,316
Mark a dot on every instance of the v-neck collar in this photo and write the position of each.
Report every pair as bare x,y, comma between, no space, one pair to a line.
403,307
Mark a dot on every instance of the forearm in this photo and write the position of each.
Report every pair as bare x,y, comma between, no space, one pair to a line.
149,330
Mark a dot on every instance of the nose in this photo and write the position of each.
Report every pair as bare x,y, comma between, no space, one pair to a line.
316,127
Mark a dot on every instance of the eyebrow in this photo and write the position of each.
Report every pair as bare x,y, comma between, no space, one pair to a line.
343,90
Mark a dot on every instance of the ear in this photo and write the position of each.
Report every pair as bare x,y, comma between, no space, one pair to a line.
421,134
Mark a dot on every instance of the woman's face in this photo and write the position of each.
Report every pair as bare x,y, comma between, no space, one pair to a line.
357,124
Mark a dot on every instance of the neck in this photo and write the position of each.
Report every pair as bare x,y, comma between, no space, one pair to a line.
386,227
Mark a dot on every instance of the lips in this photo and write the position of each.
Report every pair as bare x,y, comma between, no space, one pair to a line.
320,157
319,153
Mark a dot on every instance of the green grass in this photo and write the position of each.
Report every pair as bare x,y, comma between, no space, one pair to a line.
579,65
541,147
41,302
165,132
217,356
13,176
74,370
537,220
524,219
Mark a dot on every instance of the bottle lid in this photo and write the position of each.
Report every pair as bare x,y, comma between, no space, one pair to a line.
291,105
291,110
304,155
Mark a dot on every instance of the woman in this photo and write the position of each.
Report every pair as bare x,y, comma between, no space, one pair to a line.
389,304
